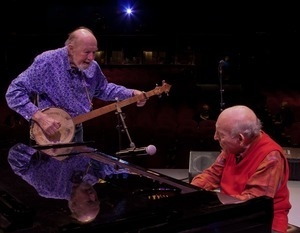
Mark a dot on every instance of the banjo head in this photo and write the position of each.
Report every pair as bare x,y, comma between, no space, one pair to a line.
65,133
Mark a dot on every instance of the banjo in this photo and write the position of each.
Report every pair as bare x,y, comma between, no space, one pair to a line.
67,129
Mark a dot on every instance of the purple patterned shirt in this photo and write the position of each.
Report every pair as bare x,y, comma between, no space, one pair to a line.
56,84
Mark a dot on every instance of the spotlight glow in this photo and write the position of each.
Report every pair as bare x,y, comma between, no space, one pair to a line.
128,11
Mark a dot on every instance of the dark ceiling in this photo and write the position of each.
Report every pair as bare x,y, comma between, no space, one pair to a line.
266,32
150,16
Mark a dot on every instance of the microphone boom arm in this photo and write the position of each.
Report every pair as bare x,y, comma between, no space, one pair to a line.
121,117
149,150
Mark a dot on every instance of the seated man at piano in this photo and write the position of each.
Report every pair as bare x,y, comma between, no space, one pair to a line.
251,164
66,78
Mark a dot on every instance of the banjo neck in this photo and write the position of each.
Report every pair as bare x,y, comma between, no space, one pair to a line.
119,104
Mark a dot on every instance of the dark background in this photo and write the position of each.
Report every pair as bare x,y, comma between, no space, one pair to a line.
261,39
263,36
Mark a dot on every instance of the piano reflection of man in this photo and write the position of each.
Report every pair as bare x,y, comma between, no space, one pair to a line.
71,178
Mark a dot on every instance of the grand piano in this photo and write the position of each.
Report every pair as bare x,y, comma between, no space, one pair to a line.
38,194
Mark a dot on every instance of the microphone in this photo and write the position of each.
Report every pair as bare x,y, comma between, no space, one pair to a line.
149,150
222,63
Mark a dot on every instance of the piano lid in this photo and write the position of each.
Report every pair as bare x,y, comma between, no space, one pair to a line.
89,191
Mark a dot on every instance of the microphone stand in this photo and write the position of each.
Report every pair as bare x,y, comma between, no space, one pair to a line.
220,73
122,127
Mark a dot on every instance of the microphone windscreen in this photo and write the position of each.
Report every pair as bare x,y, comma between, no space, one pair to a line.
151,150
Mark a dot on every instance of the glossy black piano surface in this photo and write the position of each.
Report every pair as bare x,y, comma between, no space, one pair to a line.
37,184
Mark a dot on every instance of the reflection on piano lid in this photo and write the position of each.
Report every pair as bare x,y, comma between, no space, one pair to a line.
132,199
62,145
61,150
